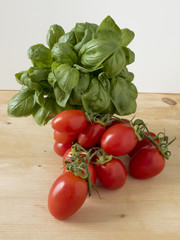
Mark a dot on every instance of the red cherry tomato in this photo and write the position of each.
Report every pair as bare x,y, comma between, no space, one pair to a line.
144,142
119,139
61,148
146,163
112,174
91,135
67,195
70,121
61,137
91,168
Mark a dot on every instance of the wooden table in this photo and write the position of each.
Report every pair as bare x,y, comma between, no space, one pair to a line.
141,209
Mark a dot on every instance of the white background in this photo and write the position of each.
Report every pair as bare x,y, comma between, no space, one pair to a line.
156,24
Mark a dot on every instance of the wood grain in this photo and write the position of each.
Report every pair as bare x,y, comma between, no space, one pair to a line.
147,209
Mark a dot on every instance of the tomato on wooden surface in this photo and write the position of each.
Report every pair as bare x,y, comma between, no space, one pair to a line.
146,163
61,148
144,142
111,174
119,139
91,135
70,121
61,137
67,195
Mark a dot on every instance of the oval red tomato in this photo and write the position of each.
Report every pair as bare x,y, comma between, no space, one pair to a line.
61,148
67,195
146,163
119,139
91,135
112,174
70,121
144,142
61,137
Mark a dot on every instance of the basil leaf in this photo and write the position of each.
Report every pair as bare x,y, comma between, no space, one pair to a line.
68,38
108,30
130,56
38,74
115,63
67,77
63,53
39,97
87,35
81,87
54,33
18,77
96,98
26,80
123,96
128,76
127,36
51,79
22,104
96,51
40,56
87,70
61,96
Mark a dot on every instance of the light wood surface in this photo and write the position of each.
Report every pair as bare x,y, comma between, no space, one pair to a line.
141,209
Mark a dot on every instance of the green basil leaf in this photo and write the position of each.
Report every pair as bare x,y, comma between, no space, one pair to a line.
40,56
22,104
96,98
63,53
130,56
61,96
79,89
87,35
51,79
67,77
123,96
115,63
104,81
68,38
37,74
26,80
108,30
54,33
95,52
18,77
87,70
39,97
25,88
128,76
127,36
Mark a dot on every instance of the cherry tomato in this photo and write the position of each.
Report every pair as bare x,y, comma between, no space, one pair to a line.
67,195
144,142
61,137
91,168
92,172
61,148
146,163
91,135
119,139
70,121
111,174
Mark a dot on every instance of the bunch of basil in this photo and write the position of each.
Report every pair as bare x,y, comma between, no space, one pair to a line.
85,69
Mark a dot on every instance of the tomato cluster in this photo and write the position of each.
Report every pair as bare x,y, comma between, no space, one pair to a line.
90,150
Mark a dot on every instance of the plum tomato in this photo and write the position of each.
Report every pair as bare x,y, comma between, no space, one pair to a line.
144,142
91,135
67,195
61,148
70,121
146,163
119,139
61,137
111,174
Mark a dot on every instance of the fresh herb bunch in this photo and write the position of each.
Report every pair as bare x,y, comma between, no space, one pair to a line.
84,69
